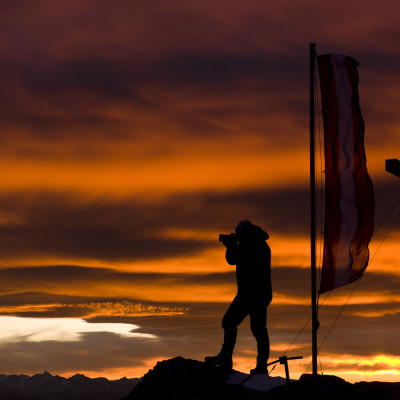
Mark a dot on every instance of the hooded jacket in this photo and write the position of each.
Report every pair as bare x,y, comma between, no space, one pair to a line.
252,257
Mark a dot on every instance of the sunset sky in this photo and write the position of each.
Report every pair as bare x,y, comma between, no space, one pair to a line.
133,133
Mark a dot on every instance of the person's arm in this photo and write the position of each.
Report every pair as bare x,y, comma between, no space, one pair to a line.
232,254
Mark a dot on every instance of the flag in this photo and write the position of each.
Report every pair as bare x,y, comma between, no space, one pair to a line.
349,199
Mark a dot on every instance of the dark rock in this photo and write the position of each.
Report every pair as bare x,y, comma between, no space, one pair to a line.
310,387
182,379
377,391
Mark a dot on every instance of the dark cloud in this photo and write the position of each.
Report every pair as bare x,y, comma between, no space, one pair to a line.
133,228
57,225
98,76
75,95
189,71
74,274
91,353
64,92
230,70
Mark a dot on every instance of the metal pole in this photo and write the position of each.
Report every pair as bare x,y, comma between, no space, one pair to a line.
287,373
312,188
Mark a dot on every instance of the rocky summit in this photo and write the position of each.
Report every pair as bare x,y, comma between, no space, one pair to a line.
183,379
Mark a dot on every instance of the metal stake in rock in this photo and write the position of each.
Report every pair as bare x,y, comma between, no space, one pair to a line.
282,360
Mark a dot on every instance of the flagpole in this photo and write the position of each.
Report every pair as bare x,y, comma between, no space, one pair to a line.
312,188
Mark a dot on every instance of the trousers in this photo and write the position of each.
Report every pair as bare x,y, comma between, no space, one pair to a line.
236,313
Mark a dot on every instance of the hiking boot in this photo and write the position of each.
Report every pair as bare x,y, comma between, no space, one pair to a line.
261,368
262,356
220,360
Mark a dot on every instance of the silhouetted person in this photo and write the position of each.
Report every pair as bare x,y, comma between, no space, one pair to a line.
250,253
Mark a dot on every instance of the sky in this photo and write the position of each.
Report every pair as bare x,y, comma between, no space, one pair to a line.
133,133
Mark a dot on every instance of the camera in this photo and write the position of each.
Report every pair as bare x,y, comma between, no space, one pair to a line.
230,239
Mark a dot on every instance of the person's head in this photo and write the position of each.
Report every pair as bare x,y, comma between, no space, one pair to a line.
250,233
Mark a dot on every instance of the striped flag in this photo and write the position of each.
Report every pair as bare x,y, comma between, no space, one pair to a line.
349,201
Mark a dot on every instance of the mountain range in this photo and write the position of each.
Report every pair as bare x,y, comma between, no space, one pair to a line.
49,387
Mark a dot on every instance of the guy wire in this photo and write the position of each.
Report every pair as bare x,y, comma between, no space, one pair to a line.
370,262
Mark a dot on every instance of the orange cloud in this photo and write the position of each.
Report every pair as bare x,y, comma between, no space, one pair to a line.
185,172
95,309
354,369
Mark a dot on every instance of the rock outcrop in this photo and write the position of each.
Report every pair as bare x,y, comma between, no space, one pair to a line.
183,379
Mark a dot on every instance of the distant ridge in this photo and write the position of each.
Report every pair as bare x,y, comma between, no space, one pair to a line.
185,379
48,387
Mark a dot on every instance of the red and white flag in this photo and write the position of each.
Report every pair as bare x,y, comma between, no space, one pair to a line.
349,201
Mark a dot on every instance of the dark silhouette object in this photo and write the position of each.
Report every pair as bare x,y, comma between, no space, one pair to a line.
49,387
281,360
247,249
183,379
393,166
